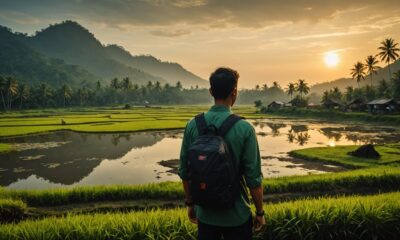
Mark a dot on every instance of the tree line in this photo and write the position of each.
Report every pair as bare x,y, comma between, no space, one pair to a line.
388,53
16,94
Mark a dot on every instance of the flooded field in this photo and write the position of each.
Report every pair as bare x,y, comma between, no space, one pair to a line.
62,159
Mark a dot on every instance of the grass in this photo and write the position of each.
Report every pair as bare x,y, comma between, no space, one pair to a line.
390,153
368,217
382,178
104,119
337,115
11,210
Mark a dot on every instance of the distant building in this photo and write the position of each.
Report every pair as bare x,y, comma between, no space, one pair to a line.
146,104
383,105
276,105
332,103
356,105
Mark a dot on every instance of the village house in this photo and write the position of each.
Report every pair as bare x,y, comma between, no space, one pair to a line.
383,105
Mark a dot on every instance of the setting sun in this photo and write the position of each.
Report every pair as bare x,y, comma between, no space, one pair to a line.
331,59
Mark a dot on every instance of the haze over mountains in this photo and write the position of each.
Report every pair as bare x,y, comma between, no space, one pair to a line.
69,53
342,83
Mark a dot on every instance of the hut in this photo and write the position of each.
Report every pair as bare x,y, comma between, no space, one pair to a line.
383,105
276,105
356,105
332,103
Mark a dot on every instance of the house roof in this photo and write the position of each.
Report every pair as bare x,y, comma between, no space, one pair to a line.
277,102
381,101
332,101
356,101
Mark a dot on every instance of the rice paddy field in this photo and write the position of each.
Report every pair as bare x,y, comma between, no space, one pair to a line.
104,120
362,202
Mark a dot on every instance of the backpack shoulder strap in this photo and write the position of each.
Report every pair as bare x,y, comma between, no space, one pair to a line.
228,124
201,123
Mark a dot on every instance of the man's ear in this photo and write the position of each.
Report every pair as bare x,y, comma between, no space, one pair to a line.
211,93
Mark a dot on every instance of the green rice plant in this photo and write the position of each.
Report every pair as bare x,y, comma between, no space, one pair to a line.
337,115
382,178
11,210
369,217
390,153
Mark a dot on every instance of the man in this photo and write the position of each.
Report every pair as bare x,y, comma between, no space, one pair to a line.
235,222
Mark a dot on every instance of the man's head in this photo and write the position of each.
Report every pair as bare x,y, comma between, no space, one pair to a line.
223,85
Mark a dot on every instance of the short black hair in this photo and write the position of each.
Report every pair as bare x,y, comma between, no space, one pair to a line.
223,81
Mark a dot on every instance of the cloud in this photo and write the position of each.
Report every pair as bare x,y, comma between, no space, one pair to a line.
170,33
210,13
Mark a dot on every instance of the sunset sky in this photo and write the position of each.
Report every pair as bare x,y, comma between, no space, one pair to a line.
265,41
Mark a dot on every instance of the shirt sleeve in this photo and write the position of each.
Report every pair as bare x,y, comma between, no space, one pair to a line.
182,171
252,161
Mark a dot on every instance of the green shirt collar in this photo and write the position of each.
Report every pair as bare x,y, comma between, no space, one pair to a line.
220,108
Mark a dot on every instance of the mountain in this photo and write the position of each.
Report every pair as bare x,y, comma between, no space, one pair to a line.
170,71
27,65
76,45
342,83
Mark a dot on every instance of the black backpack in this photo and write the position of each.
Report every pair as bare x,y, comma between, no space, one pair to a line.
214,179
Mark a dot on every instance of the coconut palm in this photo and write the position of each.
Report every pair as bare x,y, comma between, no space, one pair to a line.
371,64
114,83
290,90
388,52
264,87
44,93
302,87
66,93
358,72
11,88
98,85
276,85
23,93
349,93
2,90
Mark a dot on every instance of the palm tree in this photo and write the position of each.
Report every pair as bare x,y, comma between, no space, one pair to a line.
44,93
383,88
276,85
2,88
257,87
11,89
23,93
388,52
302,88
325,96
371,64
179,85
115,83
126,85
290,90
98,85
264,87
66,93
358,72
349,93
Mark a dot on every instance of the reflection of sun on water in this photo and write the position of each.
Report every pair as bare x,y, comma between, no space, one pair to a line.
331,143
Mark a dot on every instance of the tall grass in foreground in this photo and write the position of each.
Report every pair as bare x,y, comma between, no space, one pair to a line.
371,217
385,178
11,210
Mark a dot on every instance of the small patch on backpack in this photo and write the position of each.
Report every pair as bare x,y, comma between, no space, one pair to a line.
203,186
202,157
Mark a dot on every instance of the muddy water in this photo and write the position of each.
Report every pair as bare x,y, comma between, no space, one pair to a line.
63,159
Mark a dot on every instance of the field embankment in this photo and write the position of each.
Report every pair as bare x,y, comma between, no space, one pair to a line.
104,119
337,115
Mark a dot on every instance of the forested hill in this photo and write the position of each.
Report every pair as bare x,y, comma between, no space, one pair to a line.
342,83
76,45
27,65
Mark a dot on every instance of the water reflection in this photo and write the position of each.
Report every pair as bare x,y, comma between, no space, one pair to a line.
71,159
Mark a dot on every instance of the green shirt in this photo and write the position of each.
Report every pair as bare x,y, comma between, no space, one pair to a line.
242,140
